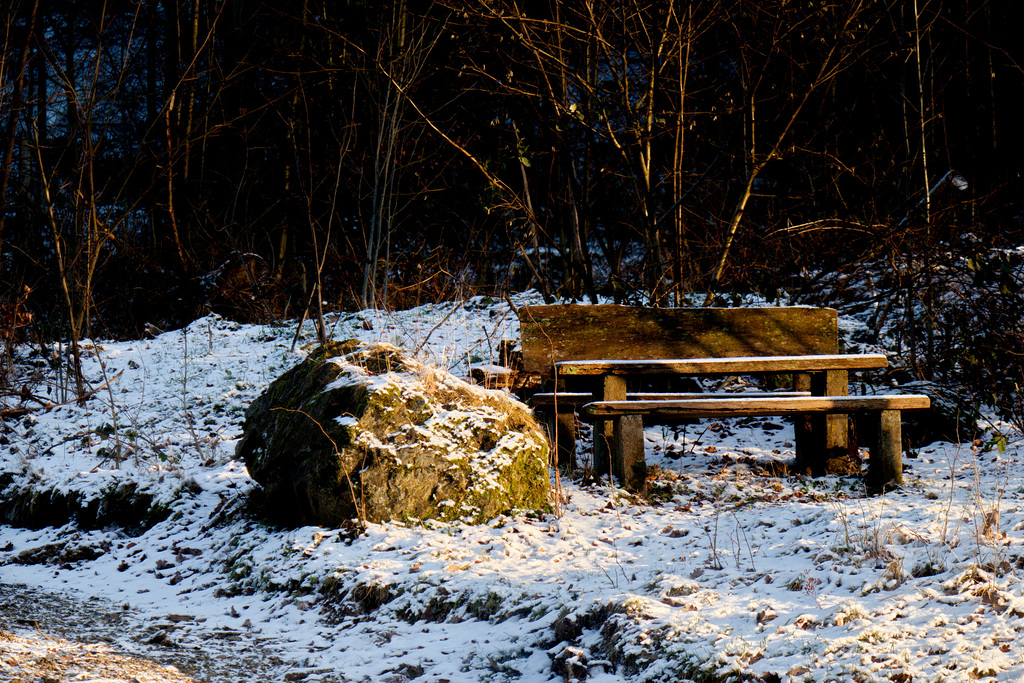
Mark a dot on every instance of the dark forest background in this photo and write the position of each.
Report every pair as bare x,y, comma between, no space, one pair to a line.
162,159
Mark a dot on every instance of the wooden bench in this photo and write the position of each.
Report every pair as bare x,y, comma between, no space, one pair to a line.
574,353
879,424
618,441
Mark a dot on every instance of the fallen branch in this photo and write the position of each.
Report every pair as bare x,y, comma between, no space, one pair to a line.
46,406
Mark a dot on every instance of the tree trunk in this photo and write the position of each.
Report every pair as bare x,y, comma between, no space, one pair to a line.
16,104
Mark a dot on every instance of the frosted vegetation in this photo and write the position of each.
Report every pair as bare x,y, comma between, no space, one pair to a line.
725,572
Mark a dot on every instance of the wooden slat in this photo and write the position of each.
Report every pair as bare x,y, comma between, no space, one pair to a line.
573,398
710,366
742,407
566,398
714,394
574,332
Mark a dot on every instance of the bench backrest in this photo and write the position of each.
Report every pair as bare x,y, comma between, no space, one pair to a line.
581,332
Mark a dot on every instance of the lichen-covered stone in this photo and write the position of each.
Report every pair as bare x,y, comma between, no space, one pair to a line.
363,431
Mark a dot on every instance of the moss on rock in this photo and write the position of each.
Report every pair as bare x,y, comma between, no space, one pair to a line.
362,430
122,504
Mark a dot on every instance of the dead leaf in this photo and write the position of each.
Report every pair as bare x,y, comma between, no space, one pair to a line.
804,622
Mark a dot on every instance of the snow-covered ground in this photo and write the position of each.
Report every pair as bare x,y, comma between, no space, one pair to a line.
727,571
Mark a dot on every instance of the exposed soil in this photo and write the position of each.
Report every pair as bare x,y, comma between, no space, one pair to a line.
51,638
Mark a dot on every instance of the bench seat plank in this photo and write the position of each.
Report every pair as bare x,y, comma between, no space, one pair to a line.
576,399
711,366
757,406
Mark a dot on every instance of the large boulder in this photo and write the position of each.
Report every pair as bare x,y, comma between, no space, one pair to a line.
363,431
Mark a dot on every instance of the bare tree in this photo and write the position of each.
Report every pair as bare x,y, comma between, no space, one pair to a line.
404,50
18,33
837,55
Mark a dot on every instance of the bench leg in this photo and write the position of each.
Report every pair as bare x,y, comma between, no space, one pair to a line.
619,443
837,383
808,434
613,388
561,425
885,470
837,427
628,453
822,440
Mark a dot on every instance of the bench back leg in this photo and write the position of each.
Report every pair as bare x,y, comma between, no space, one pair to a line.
562,436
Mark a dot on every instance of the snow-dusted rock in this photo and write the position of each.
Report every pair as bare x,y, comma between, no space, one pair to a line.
362,430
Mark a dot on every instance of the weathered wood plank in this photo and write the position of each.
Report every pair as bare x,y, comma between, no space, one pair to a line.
712,366
744,407
714,394
575,399
562,398
574,332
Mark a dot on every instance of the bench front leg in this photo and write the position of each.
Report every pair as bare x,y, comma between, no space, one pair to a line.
885,469
628,452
